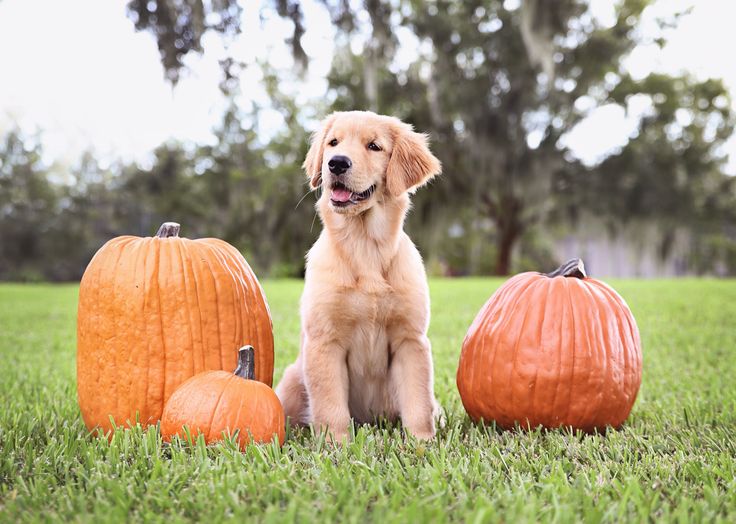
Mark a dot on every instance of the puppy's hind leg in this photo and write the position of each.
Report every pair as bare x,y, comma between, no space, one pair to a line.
293,394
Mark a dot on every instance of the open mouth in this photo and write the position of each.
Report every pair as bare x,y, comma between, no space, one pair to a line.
342,196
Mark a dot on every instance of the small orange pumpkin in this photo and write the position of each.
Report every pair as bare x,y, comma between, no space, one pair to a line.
155,311
560,349
217,403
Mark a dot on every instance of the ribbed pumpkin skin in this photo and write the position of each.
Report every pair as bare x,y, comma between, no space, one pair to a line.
217,401
155,311
553,352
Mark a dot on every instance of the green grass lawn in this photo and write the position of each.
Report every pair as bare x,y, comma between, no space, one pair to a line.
675,459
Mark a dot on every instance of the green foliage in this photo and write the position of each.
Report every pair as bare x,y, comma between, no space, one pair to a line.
676,148
25,194
249,194
671,170
46,224
674,460
179,25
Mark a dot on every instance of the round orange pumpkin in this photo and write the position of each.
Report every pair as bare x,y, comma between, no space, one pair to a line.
218,403
155,311
557,349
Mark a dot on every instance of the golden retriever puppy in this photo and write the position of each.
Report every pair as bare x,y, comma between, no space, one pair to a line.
365,307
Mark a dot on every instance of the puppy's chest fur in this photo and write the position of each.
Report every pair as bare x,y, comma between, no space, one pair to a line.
371,304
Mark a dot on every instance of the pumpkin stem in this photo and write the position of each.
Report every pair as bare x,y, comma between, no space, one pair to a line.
246,363
572,268
168,230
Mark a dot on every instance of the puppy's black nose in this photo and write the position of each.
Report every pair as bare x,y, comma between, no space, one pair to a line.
338,164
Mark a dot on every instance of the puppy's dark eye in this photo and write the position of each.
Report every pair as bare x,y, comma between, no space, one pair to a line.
332,142
374,147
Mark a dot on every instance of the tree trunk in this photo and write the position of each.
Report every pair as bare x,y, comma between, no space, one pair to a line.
506,214
370,76
505,242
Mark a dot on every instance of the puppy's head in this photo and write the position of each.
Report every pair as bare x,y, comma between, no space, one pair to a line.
358,156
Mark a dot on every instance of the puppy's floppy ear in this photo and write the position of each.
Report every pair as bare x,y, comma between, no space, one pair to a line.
313,162
412,164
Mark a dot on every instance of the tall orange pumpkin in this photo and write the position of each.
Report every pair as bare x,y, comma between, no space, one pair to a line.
557,349
155,311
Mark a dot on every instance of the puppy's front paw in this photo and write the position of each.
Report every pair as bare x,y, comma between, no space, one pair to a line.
423,435
335,435
338,438
423,431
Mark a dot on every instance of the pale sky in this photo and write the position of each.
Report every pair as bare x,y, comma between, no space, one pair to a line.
77,71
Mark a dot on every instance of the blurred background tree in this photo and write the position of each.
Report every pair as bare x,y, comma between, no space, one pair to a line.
497,84
500,87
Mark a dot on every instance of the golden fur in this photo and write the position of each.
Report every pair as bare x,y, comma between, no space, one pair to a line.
365,307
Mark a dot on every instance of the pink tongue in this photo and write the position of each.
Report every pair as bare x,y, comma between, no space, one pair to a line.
340,194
